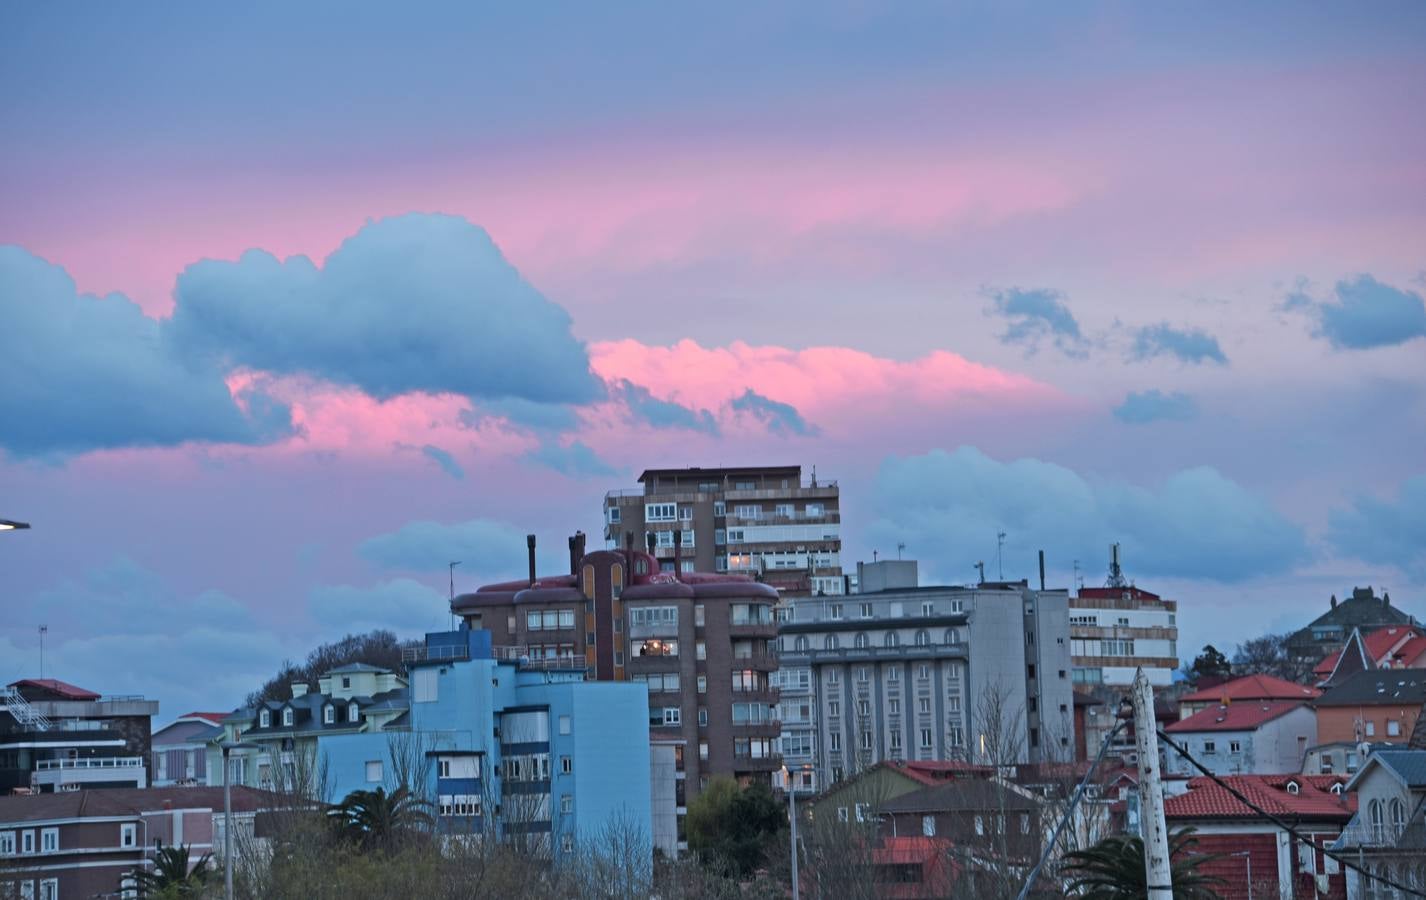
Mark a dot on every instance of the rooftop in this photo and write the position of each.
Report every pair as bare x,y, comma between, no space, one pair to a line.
1385,687
63,689
1379,644
961,794
721,472
1313,799
1253,687
1244,716
127,802
1408,765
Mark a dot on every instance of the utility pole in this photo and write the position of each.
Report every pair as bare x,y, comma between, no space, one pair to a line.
43,629
999,550
1157,872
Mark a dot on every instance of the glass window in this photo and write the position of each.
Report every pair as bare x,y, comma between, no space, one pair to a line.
373,771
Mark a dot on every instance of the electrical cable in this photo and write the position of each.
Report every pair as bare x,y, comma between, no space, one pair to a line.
1296,835
1069,811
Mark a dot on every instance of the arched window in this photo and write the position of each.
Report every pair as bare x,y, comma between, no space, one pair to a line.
353,712
329,714
830,643
862,640
1398,818
953,635
922,639
803,645
287,717
892,639
1292,788
1374,818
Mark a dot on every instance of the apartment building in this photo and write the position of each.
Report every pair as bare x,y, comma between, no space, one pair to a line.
55,736
498,743
977,673
1372,706
180,749
1263,737
762,520
704,645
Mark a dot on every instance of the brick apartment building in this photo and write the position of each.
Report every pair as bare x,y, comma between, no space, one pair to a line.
56,736
762,520
704,643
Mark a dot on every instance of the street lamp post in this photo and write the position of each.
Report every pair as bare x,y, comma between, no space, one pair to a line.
228,747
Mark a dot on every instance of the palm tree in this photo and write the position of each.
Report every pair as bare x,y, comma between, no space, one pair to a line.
1113,869
171,875
375,818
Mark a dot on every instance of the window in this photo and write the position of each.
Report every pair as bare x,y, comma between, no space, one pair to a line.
720,536
802,644
128,835
928,608
354,712
1398,818
567,804
7,843
748,511
957,736
834,708
702,717
836,611
953,636
866,610
980,825
892,639
287,717
1210,747
925,738
923,705
702,684
863,708
862,641
784,511
893,674
702,749
264,719
829,642
922,639
27,842
329,714
842,814
928,826
1024,823
614,515
1393,728
893,705
1235,746
1375,820
863,675
863,810
1371,728
815,511
866,740
566,765
49,840
896,741
719,509
953,704
660,512
49,889
565,725
373,771
672,715
836,741
923,672
686,513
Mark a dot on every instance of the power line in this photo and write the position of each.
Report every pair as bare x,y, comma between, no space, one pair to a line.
1297,836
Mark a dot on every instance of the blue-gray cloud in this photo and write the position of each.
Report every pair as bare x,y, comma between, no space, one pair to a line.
647,408
575,459
1364,314
780,418
406,607
86,373
1188,345
412,303
1391,532
1038,314
526,413
444,459
947,508
483,548
1140,408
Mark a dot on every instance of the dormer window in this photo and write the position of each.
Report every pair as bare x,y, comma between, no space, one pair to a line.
287,717
265,720
329,714
1292,788
353,713
1337,789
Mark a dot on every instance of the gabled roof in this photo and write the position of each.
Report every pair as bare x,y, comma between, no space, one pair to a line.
350,668
1383,687
1408,766
129,802
1351,659
63,688
1314,799
1403,642
1244,716
213,718
968,794
1253,687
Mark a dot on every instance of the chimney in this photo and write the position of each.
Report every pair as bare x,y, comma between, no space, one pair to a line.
573,557
579,540
299,689
1042,570
530,543
677,553
1334,601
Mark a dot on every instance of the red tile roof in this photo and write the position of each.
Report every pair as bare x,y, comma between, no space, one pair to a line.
126,802
1205,799
1379,644
937,771
63,688
1253,687
215,717
1243,716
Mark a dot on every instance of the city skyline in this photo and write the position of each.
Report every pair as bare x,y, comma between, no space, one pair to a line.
300,309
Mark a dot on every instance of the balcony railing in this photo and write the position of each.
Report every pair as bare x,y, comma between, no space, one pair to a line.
770,763
767,695
92,762
756,660
1383,835
430,654
521,656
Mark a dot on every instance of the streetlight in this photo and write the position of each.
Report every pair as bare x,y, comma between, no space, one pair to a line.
228,747
12,525
792,818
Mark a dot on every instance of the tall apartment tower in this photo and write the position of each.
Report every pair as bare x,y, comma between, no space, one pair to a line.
765,521
704,643
1119,628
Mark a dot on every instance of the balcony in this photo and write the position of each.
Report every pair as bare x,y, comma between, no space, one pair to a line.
759,661
72,774
1381,835
771,728
768,695
433,654
92,762
662,663
521,657
770,763
748,628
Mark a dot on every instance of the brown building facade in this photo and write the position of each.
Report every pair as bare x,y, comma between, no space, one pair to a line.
704,643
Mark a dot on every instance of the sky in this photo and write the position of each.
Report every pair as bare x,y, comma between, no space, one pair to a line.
298,304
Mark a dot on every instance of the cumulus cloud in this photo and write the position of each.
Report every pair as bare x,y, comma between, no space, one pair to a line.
482,546
415,303
1187,345
1364,313
1035,315
779,418
1390,532
525,413
1140,408
406,607
947,508
444,459
643,406
575,459
88,373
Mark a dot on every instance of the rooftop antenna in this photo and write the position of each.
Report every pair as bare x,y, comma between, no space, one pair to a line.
981,567
43,629
873,556
999,550
900,545
1116,574
1078,584
452,567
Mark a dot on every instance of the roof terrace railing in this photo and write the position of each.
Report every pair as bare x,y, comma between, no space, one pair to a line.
91,762
436,653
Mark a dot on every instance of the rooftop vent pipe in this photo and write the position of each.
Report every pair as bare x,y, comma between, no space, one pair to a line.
530,543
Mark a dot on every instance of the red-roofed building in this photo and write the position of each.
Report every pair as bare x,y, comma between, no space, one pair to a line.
55,736
37,689
1248,738
1259,859
913,867
1249,687
1392,647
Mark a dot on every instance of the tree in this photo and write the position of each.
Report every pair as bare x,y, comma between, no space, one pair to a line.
730,827
171,876
1113,869
378,820
1269,655
1210,663
375,648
